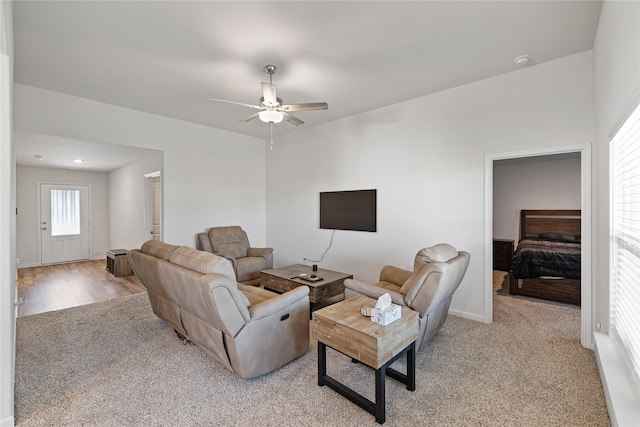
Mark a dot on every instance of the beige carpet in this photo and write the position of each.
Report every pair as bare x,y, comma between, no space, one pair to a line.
115,364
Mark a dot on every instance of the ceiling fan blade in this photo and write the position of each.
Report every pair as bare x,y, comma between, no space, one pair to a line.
269,94
291,119
236,103
251,117
304,107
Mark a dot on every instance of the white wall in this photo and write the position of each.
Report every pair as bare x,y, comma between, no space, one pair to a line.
617,93
426,157
532,184
7,219
617,89
127,202
210,176
27,181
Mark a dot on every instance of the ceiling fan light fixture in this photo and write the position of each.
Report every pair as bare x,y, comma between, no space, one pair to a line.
273,110
271,116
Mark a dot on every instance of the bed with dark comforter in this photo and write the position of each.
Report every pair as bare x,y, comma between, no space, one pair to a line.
554,258
547,260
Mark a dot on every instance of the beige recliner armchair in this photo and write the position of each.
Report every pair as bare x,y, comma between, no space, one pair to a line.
428,289
232,243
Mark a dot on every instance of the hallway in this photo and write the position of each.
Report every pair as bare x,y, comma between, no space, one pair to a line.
55,287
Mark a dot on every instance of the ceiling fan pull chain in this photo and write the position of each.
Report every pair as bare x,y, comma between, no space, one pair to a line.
271,135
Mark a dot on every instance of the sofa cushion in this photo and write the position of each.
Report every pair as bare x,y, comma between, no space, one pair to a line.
233,249
249,268
404,289
202,262
255,295
158,249
388,286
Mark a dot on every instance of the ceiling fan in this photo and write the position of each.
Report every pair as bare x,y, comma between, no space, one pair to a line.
272,108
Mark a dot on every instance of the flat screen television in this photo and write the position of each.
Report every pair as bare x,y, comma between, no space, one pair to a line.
348,210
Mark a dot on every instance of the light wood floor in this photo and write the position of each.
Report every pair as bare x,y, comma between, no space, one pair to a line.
54,287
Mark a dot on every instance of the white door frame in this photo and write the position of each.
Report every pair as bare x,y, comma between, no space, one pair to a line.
586,336
39,208
148,208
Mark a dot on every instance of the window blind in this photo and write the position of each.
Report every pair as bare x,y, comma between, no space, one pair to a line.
625,248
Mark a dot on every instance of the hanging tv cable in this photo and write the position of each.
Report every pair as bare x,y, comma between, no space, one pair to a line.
325,251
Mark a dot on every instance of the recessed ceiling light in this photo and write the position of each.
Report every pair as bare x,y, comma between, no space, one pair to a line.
78,160
522,59
38,156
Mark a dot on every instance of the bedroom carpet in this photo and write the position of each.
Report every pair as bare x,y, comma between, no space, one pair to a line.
115,363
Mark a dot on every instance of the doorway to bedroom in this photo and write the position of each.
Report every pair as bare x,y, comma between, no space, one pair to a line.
551,180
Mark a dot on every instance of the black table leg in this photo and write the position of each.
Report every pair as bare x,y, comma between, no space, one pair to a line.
377,408
380,410
322,363
411,367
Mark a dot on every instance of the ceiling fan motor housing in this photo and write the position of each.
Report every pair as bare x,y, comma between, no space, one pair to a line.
277,104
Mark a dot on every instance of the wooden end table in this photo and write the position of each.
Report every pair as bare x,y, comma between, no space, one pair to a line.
117,263
284,279
342,327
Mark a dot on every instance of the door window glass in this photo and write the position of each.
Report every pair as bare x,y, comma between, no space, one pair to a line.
65,212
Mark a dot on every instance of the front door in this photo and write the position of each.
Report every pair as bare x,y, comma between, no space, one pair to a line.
64,223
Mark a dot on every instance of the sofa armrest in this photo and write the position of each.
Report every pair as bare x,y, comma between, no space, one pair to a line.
372,291
394,275
259,252
266,253
278,303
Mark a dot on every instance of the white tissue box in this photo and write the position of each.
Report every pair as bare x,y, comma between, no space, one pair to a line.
384,316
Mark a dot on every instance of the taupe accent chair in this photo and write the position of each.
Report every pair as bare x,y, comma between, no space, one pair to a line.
428,289
232,243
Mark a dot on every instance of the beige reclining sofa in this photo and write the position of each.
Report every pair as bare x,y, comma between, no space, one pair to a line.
250,330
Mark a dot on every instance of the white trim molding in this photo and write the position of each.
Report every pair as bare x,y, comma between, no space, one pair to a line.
621,393
586,337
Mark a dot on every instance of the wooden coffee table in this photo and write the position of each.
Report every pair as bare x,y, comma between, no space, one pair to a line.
342,327
286,278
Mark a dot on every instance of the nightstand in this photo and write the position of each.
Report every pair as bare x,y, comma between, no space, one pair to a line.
502,253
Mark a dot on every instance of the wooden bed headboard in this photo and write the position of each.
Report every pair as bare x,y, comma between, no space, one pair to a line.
535,222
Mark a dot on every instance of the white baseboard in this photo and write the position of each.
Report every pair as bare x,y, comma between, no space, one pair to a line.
467,315
35,264
620,391
27,265
7,422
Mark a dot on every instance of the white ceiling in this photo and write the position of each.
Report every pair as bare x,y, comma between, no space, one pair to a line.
54,151
170,57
